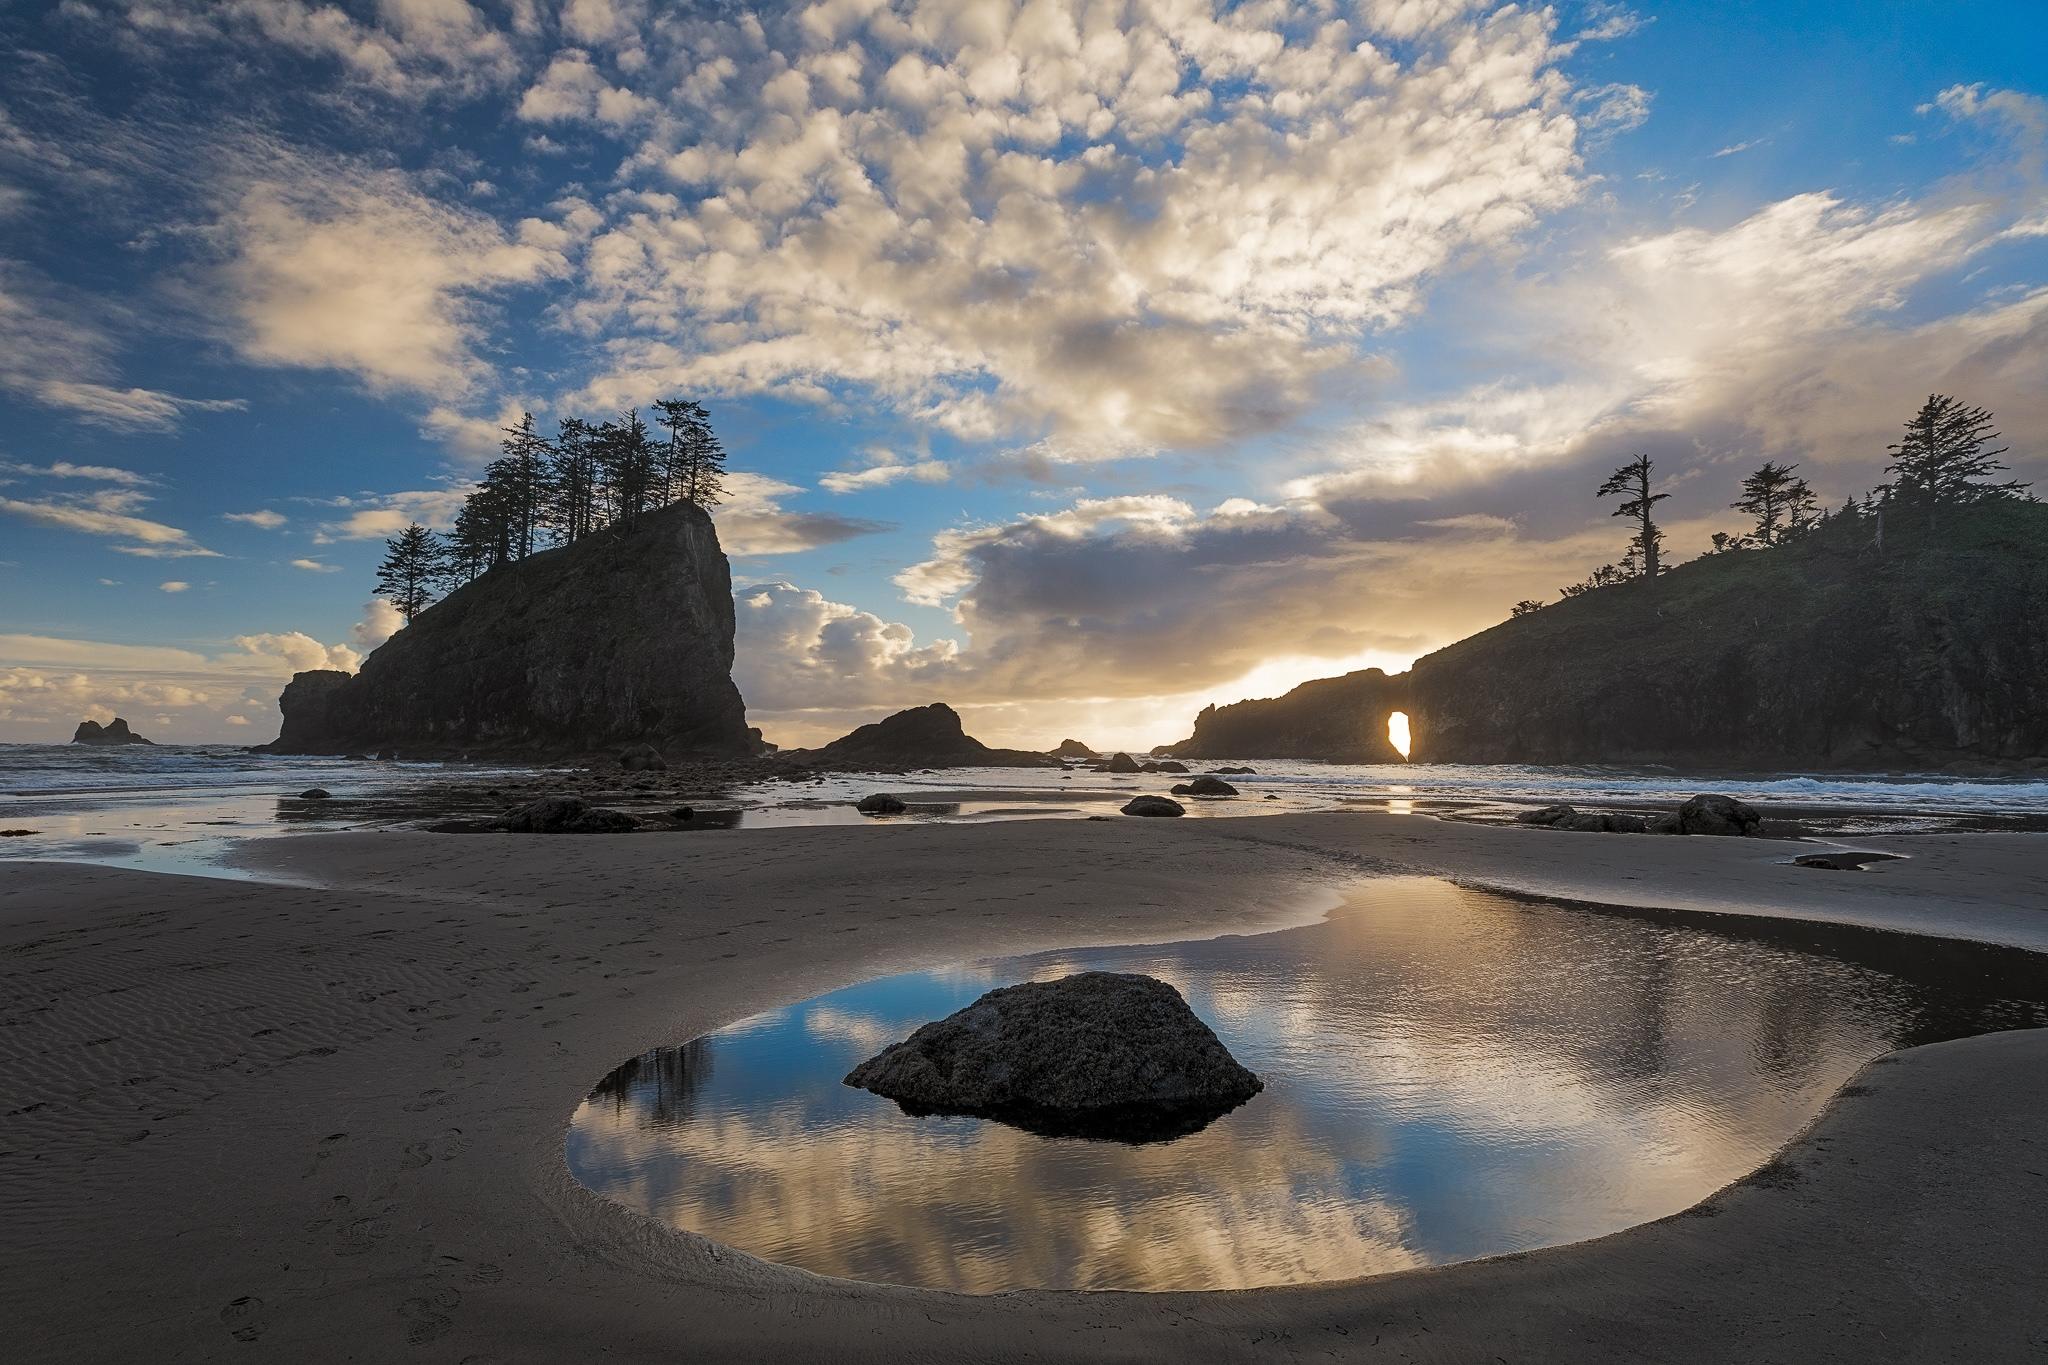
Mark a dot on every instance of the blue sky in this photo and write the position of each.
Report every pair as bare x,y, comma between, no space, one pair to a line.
1082,362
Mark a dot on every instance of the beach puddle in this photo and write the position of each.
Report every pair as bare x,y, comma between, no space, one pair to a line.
1449,1074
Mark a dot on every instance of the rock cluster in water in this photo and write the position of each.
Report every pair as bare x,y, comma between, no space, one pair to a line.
1098,1054
1708,813
922,737
115,731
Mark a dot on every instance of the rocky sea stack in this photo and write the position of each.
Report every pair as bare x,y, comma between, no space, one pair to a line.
115,731
1100,1054
620,639
922,737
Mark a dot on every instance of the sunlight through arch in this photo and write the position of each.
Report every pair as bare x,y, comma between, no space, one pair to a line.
1397,731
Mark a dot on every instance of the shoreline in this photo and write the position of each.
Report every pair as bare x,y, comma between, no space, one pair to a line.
411,1034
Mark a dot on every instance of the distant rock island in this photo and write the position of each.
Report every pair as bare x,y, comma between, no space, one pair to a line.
922,737
1926,652
621,638
115,731
1340,720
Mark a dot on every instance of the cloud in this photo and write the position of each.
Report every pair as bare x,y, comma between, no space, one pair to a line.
65,469
153,539
298,651
753,521
1167,226
315,566
334,266
884,473
380,516
264,518
55,353
380,622
174,585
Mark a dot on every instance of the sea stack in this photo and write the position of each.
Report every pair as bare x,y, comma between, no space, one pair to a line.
620,639
115,731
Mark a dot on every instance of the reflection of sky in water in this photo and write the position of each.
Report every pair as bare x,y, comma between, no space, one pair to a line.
1449,1075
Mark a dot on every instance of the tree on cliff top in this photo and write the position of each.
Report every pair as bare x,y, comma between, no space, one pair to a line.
413,562
1781,502
1632,483
1945,459
693,465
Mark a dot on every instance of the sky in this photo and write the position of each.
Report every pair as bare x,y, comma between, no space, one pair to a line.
1081,363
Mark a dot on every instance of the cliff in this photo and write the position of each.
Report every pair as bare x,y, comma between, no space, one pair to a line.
620,638
1824,653
1341,720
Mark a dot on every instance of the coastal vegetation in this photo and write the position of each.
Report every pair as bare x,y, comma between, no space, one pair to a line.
541,493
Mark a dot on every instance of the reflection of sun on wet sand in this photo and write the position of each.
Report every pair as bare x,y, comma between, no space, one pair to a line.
329,1121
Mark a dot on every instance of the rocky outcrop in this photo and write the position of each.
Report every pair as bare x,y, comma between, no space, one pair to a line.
1121,763
1074,748
621,639
115,731
1585,821
1100,1054
564,815
1153,805
1340,720
923,737
881,803
1823,653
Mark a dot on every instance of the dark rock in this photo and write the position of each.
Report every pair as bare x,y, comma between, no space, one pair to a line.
565,815
881,803
1713,814
15,833
1073,748
1098,1054
1343,720
1167,765
682,813
642,758
357,758
315,794
1238,772
922,737
387,755
1584,821
115,731
1206,785
1152,768
1846,860
1929,654
1153,805
1121,763
620,638
1667,823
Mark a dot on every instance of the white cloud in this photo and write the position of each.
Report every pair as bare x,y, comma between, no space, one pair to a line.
298,651
753,521
882,474
334,266
380,622
315,566
54,352
1162,226
174,585
264,518
380,516
152,539
65,469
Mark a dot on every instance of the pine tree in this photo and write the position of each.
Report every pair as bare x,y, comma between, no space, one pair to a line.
1632,481
522,477
1781,502
414,561
694,459
1944,459
631,467
575,484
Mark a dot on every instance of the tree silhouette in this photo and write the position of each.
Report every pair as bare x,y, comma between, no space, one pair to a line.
1944,459
693,462
1528,606
1781,502
413,564
575,483
1632,483
631,467
521,475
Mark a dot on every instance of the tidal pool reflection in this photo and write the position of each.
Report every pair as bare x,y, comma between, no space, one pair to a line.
1449,1074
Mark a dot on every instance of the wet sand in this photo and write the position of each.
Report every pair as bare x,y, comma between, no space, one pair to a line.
250,1121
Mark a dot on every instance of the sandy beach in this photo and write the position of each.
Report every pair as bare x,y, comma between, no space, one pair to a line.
253,1120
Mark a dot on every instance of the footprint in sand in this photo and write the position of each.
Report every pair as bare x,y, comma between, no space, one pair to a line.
425,1319
428,1099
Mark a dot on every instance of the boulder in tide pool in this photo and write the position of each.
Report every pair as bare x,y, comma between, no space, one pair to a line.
1121,763
315,794
1099,1054
1153,805
881,803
